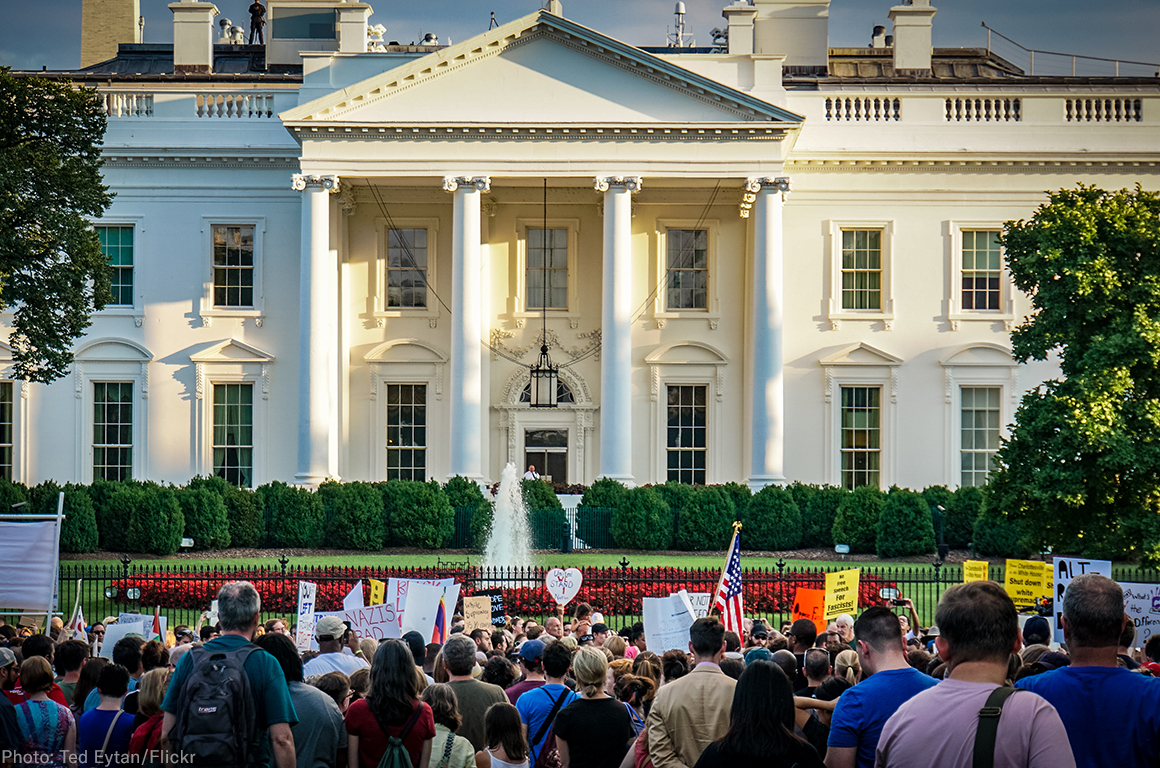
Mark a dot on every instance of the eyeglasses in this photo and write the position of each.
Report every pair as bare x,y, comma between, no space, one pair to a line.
98,632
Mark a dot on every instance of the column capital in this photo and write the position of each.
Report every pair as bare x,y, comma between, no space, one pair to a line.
758,183
631,183
303,181
452,183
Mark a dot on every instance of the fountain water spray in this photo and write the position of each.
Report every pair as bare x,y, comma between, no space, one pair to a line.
507,546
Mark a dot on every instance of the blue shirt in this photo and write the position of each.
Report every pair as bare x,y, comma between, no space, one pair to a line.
863,710
1112,716
93,700
91,731
534,706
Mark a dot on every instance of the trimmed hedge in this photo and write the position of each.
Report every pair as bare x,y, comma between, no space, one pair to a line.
819,508
244,515
12,493
295,515
856,523
771,521
963,512
415,514
463,492
114,504
354,515
997,536
904,525
642,519
605,493
705,522
79,531
206,519
157,524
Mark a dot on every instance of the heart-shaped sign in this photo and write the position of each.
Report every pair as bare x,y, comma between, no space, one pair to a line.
563,585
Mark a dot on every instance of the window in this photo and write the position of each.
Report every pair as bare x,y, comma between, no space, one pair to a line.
688,409
982,270
112,430
547,269
233,433
688,269
117,245
547,451
406,431
233,265
980,432
862,269
861,436
407,268
7,429
564,395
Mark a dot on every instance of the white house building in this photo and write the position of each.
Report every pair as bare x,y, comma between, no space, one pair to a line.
762,262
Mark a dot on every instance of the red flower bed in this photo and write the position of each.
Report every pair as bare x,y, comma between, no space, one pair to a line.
609,590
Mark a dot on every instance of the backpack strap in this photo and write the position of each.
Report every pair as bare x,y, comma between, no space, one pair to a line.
544,726
411,723
447,750
109,734
988,728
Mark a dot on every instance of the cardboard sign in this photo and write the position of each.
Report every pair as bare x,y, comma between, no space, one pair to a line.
1026,581
667,621
476,613
378,591
563,585
146,620
1066,569
810,604
976,570
373,621
701,602
306,598
842,593
1142,604
498,612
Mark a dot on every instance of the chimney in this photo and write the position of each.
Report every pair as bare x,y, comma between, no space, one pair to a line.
352,27
912,37
104,25
740,17
797,29
193,36
878,37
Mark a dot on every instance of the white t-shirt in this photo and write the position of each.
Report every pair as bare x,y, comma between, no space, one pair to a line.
530,475
333,662
937,727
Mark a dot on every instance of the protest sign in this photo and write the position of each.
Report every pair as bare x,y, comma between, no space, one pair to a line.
563,585
976,570
842,593
114,632
307,592
1026,581
701,602
476,613
1142,604
667,621
810,604
422,605
1066,569
146,620
378,591
498,612
397,590
354,599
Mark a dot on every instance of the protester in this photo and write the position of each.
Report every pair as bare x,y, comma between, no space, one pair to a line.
447,749
360,684
90,673
802,635
1036,631
336,685
105,731
1124,647
845,625
674,665
499,671
147,733
273,711
506,745
474,697
633,692
414,641
597,726
183,635
1112,715
392,708
48,732
540,706
690,712
864,709
761,725
978,631
333,635
69,657
848,667
38,645
126,653
554,627
816,668
531,655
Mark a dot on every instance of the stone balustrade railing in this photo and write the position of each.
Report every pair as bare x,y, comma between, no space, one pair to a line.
244,104
1104,110
863,109
984,110
124,104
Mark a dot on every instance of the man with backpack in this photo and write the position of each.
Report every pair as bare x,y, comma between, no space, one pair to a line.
539,706
227,702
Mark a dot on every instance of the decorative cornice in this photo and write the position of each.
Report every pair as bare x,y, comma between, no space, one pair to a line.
631,183
965,166
215,159
525,133
498,336
481,183
303,181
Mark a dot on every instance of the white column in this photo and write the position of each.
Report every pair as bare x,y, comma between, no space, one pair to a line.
315,394
616,329
767,384
466,434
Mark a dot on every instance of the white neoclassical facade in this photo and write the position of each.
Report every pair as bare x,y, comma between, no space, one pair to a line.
764,262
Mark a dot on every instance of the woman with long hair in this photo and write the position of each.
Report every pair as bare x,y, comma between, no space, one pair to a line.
632,691
152,687
447,749
848,667
506,745
391,708
48,731
90,673
761,724
595,730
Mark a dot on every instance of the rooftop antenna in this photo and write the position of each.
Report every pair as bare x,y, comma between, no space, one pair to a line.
679,38
493,23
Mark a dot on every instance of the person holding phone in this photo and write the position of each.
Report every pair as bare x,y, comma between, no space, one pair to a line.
332,634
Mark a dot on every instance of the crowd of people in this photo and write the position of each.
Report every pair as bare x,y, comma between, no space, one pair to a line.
571,693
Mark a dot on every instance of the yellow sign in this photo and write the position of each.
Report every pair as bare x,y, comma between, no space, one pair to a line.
842,592
975,570
378,591
1026,581
476,613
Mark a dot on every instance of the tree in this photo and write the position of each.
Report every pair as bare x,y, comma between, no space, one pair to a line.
1081,470
52,270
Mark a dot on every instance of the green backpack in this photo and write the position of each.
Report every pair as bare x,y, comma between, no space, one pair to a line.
396,755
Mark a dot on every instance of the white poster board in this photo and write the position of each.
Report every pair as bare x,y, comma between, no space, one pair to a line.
398,589
1142,604
667,621
422,607
115,632
307,592
701,602
354,599
1066,569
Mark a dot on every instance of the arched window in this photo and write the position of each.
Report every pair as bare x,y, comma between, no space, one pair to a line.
563,393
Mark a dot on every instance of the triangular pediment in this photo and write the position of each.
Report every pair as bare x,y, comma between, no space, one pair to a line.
861,354
538,70
232,351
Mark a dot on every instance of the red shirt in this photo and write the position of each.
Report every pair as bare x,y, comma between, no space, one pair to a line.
17,697
372,742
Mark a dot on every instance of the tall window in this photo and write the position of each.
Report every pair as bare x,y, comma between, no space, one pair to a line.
861,436
112,430
117,245
688,411
980,426
406,268
6,429
547,261
233,433
406,431
982,270
233,265
547,451
688,269
862,269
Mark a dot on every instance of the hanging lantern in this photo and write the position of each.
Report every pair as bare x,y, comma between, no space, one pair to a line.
545,380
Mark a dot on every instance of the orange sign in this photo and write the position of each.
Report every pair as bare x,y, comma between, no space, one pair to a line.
810,604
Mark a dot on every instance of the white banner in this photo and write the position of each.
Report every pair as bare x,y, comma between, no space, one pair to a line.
28,566
305,633
1066,569
667,621
1142,604
701,602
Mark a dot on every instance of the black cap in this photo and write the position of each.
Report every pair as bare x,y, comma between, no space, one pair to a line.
414,641
598,628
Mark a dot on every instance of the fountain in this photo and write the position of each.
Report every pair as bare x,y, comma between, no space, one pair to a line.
507,545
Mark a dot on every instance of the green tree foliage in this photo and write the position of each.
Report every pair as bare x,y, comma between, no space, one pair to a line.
996,534
206,519
962,511
706,520
354,515
819,507
546,517
856,523
295,515
1082,465
416,514
157,524
598,500
643,519
461,493
904,525
52,272
772,520
79,532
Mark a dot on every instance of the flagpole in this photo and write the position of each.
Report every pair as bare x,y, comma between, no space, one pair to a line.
732,541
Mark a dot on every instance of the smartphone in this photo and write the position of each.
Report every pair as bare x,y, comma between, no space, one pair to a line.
898,602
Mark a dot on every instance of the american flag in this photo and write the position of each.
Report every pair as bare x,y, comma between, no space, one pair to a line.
729,598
